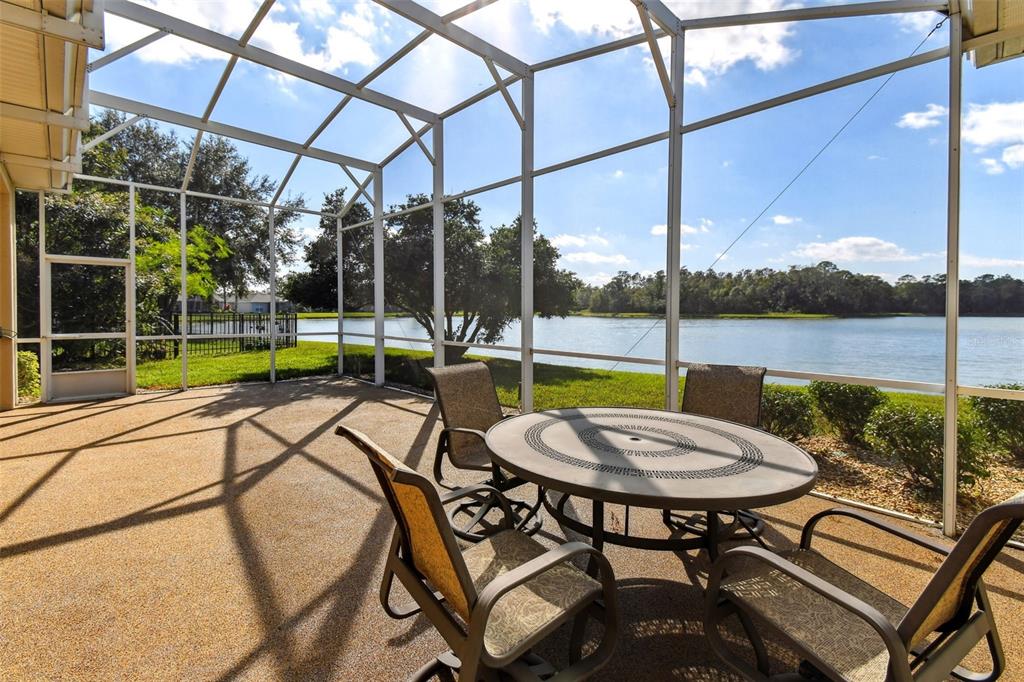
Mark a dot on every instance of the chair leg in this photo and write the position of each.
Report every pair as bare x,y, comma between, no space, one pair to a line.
713,616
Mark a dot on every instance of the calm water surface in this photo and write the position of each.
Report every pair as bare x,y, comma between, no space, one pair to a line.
910,348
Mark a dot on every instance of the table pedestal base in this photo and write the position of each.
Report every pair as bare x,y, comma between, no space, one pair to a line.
706,537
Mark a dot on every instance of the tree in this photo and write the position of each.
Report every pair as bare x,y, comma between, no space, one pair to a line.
144,153
317,288
482,271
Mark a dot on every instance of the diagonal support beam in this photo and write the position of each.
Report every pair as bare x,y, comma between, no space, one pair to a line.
229,45
125,51
456,34
110,133
652,43
102,99
505,93
416,136
360,187
662,15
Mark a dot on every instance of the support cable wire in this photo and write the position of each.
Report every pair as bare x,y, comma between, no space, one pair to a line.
796,177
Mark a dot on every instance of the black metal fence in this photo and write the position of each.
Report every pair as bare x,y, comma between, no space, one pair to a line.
235,332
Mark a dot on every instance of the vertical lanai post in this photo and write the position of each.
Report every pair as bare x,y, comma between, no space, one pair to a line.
378,277
271,242
438,199
130,312
949,469
341,299
674,222
8,296
526,257
183,243
45,317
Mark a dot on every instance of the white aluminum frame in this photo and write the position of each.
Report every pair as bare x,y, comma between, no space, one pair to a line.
665,23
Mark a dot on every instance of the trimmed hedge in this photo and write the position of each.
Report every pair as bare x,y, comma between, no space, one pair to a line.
914,435
787,412
28,374
1002,421
847,407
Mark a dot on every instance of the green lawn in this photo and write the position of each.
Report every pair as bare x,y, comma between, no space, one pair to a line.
554,385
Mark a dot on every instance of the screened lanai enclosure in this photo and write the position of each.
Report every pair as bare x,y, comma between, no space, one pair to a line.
470,109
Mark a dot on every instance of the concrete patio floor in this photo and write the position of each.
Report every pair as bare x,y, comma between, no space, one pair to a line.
228,533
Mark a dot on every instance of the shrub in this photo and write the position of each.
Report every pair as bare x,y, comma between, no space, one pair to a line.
787,412
1002,421
28,374
847,407
913,435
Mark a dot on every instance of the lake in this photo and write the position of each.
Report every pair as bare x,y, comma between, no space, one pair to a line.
909,348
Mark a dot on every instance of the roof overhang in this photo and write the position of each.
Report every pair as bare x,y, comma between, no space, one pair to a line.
43,90
985,17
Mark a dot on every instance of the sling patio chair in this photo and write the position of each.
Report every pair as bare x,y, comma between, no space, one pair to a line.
469,406
495,600
732,393
847,629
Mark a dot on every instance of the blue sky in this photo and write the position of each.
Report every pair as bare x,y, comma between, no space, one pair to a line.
873,202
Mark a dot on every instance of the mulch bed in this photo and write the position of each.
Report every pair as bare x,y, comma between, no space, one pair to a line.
865,476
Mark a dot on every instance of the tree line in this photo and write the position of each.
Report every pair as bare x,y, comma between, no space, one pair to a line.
818,289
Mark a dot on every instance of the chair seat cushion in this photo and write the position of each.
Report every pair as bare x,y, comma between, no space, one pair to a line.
817,625
532,606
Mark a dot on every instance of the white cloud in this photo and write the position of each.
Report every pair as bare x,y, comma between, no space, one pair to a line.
618,174
578,240
597,280
785,219
593,258
995,124
917,22
858,249
992,166
928,118
704,226
353,36
1013,156
973,261
315,9
875,157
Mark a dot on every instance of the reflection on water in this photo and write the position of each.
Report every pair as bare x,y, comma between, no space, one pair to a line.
910,348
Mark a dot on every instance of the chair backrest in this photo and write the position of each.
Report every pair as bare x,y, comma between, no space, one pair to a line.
468,400
426,536
724,391
946,602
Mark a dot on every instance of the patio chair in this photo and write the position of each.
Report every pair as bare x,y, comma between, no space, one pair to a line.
846,628
469,406
724,392
495,600
732,393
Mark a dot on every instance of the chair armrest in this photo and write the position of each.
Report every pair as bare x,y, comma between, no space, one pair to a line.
507,582
479,490
807,535
458,429
859,608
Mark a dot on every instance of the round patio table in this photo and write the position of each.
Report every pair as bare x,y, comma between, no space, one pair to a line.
651,458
